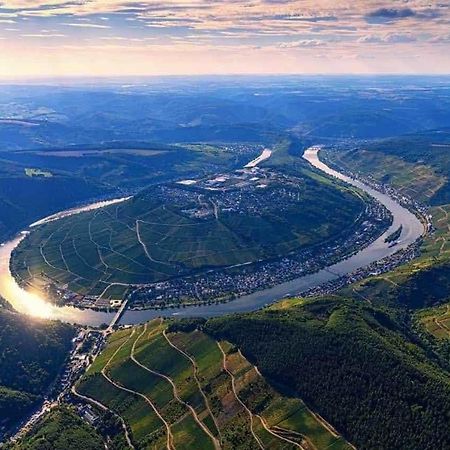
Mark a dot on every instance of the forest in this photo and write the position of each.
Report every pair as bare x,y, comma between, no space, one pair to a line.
61,429
358,366
31,355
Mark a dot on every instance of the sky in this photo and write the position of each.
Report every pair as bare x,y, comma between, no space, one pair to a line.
59,38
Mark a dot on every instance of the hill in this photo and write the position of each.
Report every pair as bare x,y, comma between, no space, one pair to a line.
358,366
417,164
31,355
175,230
38,182
175,386
61,429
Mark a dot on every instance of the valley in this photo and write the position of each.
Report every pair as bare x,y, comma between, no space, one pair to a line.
226,263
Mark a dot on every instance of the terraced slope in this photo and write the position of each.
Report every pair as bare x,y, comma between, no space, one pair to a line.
183,390
417,164
361,367
156,235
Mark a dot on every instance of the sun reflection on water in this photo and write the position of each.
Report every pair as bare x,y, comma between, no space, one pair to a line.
24,301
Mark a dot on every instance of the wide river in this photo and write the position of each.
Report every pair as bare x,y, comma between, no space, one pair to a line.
36,305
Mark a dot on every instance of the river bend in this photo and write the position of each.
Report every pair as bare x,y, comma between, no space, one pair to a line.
35,305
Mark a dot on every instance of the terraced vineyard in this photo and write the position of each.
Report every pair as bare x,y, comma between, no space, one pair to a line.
172,231
184,390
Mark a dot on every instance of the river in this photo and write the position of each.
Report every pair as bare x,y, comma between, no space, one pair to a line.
35,305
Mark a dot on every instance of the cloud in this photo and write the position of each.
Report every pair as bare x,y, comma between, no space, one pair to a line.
86,25
388,15
43,35
388,38
391,13
333,28
302,43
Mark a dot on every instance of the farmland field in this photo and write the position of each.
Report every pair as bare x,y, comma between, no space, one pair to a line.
173,230
184,390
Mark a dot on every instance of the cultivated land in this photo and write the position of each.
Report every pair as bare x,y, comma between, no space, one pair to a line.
355,364
416,164
184,390
419,166
176,230
37,183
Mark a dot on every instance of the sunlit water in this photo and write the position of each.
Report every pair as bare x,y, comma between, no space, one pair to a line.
34,304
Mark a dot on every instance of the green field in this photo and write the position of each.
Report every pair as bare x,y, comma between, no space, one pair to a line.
152,237
37,183
188,391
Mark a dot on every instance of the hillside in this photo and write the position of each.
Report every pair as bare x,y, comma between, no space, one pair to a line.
31,355
61,429
38,182
356,365
175,387
175,230
417,164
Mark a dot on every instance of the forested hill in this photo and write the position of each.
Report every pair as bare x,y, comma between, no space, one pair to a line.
357,366
61,429
31,355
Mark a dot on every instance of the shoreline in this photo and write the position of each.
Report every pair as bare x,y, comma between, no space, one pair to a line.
32,304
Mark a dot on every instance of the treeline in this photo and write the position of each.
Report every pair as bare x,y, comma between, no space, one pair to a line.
31,354
353,364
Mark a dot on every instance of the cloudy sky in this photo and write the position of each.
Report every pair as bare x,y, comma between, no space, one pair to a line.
40,38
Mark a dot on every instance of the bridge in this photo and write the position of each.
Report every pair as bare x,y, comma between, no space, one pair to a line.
117,317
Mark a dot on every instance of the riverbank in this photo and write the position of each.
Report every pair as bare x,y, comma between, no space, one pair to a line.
412,229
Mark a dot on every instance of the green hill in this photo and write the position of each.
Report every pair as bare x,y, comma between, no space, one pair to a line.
83,172
358,366
61,429
31,355
417,164
175,386
176,230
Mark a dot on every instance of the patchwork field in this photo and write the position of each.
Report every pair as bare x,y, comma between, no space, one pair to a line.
183,390
172,230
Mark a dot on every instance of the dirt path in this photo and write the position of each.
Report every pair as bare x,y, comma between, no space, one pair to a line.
144,246
169,441
197,380
105,408
175,391
439,320
273,433
233,387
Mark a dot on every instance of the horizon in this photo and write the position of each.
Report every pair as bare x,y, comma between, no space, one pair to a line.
71,79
